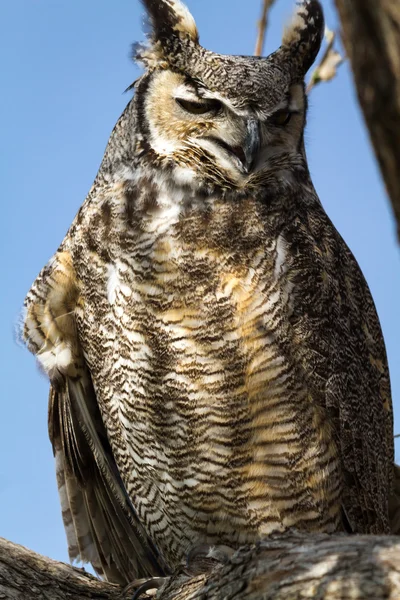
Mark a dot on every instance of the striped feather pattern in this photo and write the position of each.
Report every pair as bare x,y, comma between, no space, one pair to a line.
202,366
219,366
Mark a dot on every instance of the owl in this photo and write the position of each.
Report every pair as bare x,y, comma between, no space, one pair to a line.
217,367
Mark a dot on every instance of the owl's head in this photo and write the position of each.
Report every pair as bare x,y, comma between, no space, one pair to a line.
216,120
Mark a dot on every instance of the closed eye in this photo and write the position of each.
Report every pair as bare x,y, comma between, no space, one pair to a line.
199,108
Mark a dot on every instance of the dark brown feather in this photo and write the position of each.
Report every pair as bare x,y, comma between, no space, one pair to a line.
97,498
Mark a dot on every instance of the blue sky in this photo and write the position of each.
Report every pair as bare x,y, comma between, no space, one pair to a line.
65,66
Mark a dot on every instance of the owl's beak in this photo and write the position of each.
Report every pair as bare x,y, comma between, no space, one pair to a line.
251,145
247,152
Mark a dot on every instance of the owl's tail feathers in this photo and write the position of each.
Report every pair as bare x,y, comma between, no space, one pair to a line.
101,525
84,525
394,503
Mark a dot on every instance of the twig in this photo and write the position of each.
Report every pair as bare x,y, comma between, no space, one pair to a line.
329,63
262,27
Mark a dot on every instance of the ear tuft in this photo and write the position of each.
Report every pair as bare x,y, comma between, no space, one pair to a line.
171,23
171,17
304,34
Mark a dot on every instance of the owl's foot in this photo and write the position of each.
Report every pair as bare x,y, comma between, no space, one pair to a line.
204,557
142,586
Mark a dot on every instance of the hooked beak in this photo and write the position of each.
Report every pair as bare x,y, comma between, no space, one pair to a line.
247,153
251,146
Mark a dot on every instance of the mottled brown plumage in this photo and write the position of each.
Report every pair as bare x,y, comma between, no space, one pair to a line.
217,366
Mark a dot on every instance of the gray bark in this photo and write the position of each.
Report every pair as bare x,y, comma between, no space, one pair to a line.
371,36
25,575
283,567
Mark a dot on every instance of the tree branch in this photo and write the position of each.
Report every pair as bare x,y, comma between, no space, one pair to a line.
25,574
291,565
329,63
262,27
371,36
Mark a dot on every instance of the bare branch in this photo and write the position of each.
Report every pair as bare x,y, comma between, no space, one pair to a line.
262,27
24,574
283,566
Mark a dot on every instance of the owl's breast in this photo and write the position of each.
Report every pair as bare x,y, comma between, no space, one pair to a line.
211,420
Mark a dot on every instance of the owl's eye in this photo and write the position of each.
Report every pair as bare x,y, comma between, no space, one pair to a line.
200,108
281,117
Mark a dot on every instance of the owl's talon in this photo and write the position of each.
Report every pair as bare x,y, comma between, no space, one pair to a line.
151,584
202,557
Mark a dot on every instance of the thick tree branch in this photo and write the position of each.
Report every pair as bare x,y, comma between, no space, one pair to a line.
291,565
371,35
262,27
26,575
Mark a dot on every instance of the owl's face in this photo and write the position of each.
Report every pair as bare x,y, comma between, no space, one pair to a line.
223,120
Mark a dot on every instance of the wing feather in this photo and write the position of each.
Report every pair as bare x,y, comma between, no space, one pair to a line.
339,342
101,525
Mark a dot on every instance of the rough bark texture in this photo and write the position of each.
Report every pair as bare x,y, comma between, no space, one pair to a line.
25,575
284,567
371,36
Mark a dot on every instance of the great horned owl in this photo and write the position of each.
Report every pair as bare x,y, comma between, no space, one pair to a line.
216,363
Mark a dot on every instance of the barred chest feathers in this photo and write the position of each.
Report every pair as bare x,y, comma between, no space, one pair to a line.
216,424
